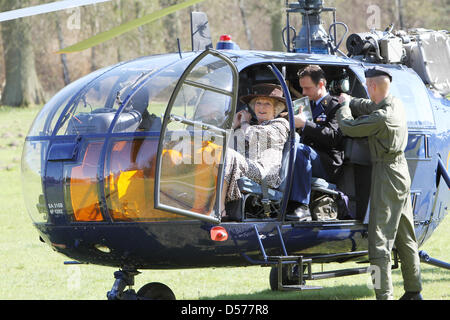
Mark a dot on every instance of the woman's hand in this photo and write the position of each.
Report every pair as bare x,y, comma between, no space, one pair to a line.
246,116
240,117
237,120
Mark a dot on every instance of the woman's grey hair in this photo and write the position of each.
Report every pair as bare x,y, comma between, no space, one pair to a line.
278,105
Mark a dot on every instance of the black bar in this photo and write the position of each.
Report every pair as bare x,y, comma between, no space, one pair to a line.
335,256
337,273
425,258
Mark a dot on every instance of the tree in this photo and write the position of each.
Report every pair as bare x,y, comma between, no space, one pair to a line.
66,74
248,32
22,86
171,25
277,19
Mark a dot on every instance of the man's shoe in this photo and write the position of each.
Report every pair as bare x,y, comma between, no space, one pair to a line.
300,214
412,296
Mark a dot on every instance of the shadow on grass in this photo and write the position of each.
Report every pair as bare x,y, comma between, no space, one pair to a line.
343,292
429,274
436,270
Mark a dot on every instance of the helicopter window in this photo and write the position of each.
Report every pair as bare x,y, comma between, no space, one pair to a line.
194,137
93,109
151,99
32,166
82,189
130,181
200,105
212,108
212,71
45,122
414,97
192,153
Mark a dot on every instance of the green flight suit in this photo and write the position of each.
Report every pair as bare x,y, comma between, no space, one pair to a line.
391,218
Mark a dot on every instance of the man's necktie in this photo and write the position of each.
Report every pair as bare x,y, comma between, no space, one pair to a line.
317,110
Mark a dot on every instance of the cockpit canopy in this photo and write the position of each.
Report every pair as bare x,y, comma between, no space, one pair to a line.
113,99
98,138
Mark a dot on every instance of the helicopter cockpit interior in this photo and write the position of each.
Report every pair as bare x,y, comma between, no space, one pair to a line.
355,177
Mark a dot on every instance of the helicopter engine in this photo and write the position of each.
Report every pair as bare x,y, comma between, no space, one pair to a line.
425,51
312,37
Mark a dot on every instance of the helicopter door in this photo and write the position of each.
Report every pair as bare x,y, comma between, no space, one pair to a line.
192,145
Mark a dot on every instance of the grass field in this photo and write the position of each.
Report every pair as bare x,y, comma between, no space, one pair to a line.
31,270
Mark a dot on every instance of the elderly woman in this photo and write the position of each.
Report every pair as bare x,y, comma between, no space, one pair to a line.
260,151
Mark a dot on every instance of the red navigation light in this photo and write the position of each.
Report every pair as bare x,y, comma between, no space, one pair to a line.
225,37
218,234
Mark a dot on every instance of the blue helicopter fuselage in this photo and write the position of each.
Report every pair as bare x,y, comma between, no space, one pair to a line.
57,161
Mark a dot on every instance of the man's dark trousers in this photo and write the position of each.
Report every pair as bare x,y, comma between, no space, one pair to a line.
307,165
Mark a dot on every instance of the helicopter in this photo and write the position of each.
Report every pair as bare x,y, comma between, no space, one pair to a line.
122,168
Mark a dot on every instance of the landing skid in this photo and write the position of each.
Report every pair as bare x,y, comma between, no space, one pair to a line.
150,291
289,273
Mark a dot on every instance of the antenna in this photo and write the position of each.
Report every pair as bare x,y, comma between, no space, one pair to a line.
179,48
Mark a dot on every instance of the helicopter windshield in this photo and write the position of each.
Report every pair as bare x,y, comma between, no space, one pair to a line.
89,105
414,98
43,124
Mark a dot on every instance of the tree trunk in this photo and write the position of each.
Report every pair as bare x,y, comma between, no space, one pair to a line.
248,32
66,74
93,20
119,14
22,87
398,4
138,11
276,27
171,25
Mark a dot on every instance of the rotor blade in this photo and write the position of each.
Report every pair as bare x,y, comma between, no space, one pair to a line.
107,35
45,8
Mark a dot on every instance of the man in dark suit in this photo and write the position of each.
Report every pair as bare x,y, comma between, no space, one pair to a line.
320,151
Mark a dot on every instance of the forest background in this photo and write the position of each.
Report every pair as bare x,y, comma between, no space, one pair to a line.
31,72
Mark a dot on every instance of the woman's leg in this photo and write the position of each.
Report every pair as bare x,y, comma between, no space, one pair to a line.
223,196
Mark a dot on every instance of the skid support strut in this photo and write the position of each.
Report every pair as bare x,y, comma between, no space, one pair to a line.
425,258
123,278
291,261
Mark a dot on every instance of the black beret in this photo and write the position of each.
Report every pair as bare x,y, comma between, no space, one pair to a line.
378,71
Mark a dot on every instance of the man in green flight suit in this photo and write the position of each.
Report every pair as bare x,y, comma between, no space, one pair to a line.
383,120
